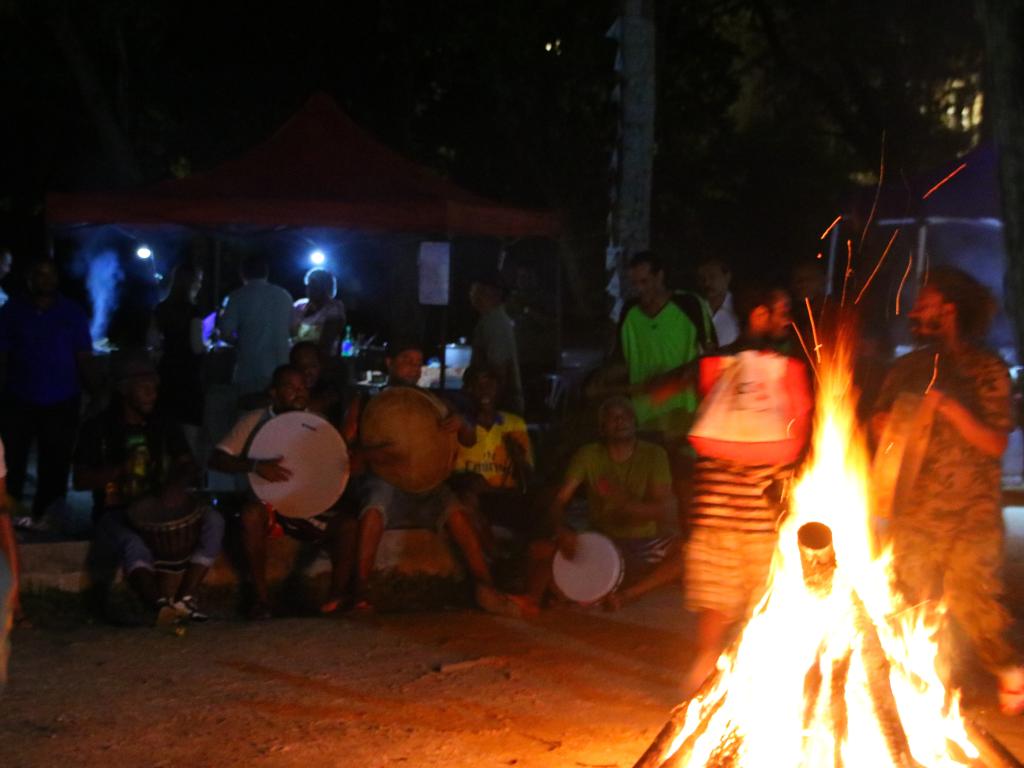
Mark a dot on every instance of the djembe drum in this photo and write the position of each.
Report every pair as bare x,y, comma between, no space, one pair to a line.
171,533
594,571
405,443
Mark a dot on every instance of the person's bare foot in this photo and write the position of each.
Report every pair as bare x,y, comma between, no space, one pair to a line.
498,603
616,600
334,604
529,608
1011,691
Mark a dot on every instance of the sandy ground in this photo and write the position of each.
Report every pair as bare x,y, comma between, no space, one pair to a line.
574,688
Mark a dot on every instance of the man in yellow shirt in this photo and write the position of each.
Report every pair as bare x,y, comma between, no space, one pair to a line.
492,476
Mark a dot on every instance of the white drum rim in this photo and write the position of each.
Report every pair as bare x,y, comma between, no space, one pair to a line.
563,569
301,419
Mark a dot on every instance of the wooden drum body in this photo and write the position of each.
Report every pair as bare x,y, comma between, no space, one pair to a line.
405,443
170,534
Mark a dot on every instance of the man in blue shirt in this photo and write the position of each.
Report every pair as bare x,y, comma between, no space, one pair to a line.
44,342
257,319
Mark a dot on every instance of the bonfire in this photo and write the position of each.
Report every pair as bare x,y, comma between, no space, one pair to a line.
833,668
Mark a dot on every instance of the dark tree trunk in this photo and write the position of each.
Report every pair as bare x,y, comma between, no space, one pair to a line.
638,107
1003,24
630,220
116,147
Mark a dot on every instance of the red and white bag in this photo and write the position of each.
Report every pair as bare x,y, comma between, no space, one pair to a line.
756,408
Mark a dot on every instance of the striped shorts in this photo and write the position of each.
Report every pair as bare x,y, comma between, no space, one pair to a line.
726,570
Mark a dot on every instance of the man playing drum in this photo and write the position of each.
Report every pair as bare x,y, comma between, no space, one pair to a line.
132,459
387,507
629,496
288,392
948,534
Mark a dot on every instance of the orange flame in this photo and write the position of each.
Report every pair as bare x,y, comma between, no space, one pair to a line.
758,701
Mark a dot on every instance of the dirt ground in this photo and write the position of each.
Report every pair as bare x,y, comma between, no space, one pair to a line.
573,688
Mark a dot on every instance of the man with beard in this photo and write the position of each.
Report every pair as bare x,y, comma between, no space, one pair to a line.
288,392
948,536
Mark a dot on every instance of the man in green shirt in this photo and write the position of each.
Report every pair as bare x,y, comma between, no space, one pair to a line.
660,331
628,487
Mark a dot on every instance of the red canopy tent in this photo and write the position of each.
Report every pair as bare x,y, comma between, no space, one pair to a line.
319,170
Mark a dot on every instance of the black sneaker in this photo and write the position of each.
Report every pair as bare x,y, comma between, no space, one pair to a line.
188,608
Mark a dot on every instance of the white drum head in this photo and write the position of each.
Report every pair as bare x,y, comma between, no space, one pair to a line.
595,571
316,455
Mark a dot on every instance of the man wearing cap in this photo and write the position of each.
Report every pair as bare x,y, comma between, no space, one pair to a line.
137,465
494,339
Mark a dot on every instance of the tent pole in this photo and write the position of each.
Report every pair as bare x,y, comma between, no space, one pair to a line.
444,322
558,308
444,335
216,274
833,245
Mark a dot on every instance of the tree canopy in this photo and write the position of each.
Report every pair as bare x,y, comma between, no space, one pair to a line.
767,112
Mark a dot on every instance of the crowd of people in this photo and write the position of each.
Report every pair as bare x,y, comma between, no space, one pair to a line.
688,474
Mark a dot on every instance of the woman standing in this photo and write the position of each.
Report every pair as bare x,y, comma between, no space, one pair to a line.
320,317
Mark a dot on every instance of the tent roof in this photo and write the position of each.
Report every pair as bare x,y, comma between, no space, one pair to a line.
319,169
972,193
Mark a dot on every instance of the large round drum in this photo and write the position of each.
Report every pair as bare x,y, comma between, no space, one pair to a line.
900,452
405,443
315,454
594,572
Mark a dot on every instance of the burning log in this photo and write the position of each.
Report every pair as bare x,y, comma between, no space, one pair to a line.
659,754
824,688
877,667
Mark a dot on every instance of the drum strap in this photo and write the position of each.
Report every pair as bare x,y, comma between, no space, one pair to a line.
267,416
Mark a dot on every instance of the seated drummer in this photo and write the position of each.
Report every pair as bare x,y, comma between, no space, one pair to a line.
129,455
492,477
385,507
334,530
629,496
325,392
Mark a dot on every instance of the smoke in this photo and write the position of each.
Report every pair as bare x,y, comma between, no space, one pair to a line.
103,276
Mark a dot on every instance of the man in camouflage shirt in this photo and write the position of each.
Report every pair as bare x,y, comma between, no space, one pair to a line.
948,536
